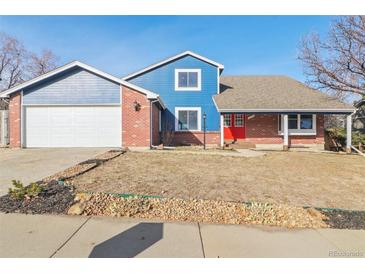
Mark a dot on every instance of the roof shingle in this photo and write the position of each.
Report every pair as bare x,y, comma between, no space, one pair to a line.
273,93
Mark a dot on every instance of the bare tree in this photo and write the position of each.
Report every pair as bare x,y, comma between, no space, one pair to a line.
337,64
18,64
40,64
12,61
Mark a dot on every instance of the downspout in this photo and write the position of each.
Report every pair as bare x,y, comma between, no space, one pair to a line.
151,121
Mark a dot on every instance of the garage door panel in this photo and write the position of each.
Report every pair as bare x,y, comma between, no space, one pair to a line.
89,126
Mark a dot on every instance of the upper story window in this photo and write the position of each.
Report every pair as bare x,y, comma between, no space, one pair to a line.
188,79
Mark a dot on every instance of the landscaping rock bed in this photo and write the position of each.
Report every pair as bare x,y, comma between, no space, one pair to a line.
54,199
344,219
205,211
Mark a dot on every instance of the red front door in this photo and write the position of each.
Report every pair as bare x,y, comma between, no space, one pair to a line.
234,126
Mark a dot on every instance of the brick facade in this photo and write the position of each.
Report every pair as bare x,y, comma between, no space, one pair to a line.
15,120
260,129
135,123
263,129
196,138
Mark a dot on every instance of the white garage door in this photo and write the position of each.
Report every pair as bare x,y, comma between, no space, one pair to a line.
81,126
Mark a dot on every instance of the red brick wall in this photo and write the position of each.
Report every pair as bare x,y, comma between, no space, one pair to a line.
135,124
263,129
14,120
155,124
196,138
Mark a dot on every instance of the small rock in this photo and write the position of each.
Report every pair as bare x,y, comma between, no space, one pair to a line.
76,209
82,197
315,213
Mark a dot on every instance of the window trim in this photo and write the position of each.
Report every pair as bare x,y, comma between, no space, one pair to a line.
198,88
177,109
243,120
298,131
230,120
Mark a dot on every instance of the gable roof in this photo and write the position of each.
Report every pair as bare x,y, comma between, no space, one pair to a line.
218,65
273,94
149,94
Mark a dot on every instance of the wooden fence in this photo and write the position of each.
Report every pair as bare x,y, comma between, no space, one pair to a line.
4,128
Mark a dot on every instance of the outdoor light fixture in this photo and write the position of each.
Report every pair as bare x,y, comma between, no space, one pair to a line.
137,106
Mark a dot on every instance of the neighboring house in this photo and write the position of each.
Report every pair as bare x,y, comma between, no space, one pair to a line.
77,105
359,117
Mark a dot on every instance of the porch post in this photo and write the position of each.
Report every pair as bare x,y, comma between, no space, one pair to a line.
348,133
286,132
222,130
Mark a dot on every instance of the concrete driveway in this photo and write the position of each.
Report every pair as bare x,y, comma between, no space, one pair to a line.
29,165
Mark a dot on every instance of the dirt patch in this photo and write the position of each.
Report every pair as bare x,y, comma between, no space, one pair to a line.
85,166
54,199
294,178
203,211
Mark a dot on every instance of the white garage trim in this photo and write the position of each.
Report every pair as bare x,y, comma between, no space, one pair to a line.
72,126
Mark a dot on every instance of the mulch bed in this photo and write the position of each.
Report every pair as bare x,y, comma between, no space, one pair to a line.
54,199
344,219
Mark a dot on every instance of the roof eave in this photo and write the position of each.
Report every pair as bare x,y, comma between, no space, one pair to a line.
170,59
6,93
314,110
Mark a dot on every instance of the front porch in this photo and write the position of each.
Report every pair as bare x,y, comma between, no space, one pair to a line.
273,130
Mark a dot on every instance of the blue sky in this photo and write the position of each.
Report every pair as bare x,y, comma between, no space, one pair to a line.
123,44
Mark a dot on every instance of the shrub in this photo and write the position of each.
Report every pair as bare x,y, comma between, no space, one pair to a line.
339,135
20,192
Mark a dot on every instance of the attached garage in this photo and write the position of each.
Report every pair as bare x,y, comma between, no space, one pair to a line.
77,105
72,126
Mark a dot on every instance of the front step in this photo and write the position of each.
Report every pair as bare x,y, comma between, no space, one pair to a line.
239,144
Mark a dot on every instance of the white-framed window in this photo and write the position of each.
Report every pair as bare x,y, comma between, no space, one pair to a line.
188,119
239,120
299,124
227,120
188,79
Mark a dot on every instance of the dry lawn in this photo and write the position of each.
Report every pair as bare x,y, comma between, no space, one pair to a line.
294,178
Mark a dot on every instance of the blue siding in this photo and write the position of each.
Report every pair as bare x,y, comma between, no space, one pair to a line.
161,80
76,86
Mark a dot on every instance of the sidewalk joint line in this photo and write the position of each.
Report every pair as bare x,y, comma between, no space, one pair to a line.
69,238
328,240
201,240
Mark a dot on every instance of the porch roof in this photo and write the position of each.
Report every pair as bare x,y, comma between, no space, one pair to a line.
274,94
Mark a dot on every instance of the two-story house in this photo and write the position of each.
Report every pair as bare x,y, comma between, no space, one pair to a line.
77,105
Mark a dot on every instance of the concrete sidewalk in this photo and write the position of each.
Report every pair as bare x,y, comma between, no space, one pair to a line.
71,236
